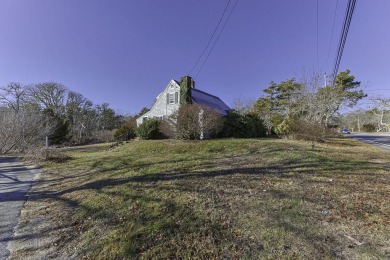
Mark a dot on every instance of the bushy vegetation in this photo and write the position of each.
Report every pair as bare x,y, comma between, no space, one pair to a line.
304,109
149,129
125,132
28,113
246,125
60,132
192,122
368,128
299,129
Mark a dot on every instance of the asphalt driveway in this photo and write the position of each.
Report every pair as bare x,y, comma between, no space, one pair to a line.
15,181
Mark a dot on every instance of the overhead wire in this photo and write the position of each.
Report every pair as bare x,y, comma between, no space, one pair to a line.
215,42
208,43
212,36
341,37
344,34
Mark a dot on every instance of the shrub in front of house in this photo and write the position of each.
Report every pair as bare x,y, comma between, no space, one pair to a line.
245,125
192,122
149,129
125,132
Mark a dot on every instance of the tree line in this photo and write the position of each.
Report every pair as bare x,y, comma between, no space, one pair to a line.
29,113
374,118
301,109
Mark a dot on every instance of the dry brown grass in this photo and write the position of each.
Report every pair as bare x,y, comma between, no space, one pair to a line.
257,198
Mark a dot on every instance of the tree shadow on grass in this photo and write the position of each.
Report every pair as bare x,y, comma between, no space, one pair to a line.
175,228
173,231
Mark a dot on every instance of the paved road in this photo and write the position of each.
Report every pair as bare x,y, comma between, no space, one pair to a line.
381,140
15,181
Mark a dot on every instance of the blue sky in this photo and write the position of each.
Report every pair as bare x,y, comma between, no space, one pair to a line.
124,52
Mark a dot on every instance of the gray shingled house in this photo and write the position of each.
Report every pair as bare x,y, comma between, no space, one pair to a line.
183,92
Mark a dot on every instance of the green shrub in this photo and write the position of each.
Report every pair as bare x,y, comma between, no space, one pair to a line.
149,129
125,132
276,120
368,128
242,126
61,131
287,126
298,129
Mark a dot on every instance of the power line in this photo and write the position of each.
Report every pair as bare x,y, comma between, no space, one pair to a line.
342,37
208,43
344,33
212,48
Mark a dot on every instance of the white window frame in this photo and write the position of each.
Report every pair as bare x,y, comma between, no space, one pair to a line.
171,98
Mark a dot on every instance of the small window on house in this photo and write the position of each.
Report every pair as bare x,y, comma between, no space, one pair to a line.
171,98
144,118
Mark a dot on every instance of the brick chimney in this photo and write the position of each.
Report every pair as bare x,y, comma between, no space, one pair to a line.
186,84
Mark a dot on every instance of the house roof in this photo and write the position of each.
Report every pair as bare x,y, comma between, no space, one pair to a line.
203,98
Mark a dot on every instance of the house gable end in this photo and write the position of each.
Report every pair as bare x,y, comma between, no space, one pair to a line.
166,102
170,99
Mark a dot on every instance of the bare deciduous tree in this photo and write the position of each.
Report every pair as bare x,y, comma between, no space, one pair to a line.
49,96
81,115
21,123
192,121
243,106
381,110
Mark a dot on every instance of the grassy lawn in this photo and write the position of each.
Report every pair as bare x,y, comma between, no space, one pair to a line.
231,198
